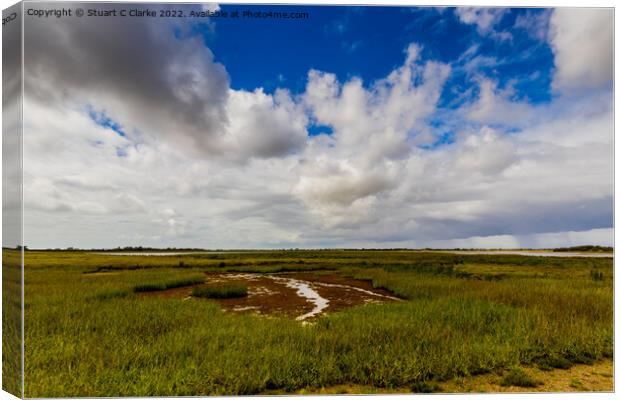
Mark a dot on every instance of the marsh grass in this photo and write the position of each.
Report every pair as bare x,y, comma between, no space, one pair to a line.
221,291
518,377
550,362
111,294
425,387
11,322
596,275
169,284
448,326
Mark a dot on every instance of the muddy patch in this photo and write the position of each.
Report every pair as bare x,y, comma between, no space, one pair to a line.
303,296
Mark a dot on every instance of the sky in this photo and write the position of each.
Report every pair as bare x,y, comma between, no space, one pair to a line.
353,127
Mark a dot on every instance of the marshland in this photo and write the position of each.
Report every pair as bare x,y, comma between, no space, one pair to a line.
313,321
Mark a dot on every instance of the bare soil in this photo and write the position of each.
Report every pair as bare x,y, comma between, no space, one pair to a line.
597,377
269,294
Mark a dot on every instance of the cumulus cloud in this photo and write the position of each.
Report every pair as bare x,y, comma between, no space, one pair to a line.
372,129
264,125
486,152
548,178
201,164
495,106
382,116
155,193
582,42
129,71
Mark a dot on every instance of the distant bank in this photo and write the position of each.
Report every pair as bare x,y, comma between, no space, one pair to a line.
531,253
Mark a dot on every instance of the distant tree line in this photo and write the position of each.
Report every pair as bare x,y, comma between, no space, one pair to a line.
587,249
126,248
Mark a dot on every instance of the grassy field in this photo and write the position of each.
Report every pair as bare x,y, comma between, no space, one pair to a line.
11,322
90,332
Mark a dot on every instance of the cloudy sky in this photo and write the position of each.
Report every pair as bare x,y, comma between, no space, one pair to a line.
354,127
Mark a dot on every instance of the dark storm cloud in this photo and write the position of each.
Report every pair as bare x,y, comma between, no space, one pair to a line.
146,72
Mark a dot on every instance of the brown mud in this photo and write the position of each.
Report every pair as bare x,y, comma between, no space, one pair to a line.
301,295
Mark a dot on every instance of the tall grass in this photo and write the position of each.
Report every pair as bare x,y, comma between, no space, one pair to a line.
449,326
169,284
11,322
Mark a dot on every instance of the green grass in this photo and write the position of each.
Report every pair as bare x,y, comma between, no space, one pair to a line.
11,322
517,377
221,291
425,387
170,284
111,294
540,311
550,362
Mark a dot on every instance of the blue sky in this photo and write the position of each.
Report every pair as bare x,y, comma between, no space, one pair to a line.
369,42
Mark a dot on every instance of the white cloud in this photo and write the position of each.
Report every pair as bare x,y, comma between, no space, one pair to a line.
485,20
486,152
372,131
251,177
535,23
495,106
211,7
263,125
184,99
582,42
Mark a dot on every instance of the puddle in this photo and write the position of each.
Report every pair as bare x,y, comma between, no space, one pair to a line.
303,296
304,290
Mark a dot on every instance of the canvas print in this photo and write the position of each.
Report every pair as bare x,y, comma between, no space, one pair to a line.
296,199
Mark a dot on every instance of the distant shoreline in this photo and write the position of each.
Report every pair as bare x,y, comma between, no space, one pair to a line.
527,253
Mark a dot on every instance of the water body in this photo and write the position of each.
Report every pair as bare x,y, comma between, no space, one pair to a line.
304,290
